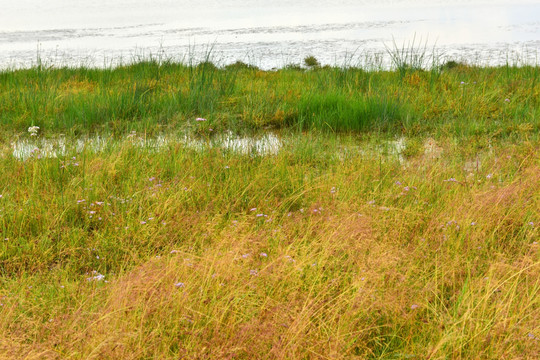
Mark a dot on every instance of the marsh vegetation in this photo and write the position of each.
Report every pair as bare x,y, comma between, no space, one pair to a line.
397,217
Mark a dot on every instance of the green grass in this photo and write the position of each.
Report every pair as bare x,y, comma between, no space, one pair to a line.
149,95
342,245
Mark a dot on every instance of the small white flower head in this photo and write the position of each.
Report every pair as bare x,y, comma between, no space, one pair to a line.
200,119
33,130
97,277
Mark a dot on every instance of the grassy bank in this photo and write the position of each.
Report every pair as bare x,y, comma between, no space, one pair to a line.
341,245
454,97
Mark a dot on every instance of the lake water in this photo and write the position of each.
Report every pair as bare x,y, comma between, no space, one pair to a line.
269,33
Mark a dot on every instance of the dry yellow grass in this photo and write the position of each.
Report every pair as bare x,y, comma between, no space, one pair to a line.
352,257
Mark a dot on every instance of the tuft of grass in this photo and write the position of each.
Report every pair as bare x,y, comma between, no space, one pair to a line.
311,62
240,65
338,112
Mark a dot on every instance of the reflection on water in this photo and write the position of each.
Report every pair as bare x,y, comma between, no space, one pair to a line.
269,33
262,145
23,149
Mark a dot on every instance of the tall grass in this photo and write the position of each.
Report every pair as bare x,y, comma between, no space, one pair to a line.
399,219
339,112
155,94
327,249
412,57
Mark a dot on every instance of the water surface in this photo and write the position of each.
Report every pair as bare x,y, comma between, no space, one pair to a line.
270,33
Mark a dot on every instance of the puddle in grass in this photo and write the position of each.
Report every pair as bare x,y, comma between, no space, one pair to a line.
263,145
23,149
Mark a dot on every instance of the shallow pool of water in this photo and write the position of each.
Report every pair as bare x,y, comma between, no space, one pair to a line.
37,147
